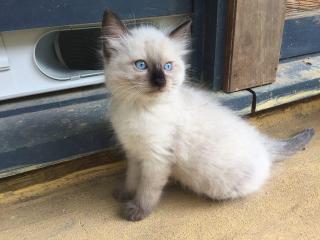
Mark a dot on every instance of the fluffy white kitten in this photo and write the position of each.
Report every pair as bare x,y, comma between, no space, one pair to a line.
170,130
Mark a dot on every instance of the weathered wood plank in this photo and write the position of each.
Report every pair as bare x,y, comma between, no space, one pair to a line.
302,8
253,42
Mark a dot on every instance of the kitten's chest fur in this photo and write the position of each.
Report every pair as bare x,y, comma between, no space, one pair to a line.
144,132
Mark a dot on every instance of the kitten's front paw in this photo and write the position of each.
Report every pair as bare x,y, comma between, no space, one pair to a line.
121,195
133,212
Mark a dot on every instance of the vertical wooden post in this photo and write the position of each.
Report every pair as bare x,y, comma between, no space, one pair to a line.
254,36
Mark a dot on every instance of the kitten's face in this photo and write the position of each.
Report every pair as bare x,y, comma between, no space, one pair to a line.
143,62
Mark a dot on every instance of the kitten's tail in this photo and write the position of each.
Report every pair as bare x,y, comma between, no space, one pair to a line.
281,149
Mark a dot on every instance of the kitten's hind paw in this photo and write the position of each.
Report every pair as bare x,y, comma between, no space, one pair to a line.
133,212
121,195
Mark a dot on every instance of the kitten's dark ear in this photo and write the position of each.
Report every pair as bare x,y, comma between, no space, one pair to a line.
182,31
112,27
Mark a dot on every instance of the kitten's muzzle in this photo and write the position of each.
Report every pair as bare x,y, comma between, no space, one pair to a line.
157,77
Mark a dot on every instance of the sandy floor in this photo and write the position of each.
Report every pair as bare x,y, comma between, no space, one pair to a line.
288,207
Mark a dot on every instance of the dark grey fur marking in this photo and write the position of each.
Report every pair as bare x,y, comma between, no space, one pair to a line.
182,30
112,27
133,212
157,77
297,142
121,195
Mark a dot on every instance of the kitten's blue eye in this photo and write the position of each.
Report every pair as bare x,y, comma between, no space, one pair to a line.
140,65
168,66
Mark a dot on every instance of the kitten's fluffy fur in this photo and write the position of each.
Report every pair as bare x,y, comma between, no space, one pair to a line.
175,131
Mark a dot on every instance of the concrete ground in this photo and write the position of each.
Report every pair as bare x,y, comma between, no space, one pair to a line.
77,207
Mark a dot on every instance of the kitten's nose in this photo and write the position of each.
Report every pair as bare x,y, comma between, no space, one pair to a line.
157,77
159,82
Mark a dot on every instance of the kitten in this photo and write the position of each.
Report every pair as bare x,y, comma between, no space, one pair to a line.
170,130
